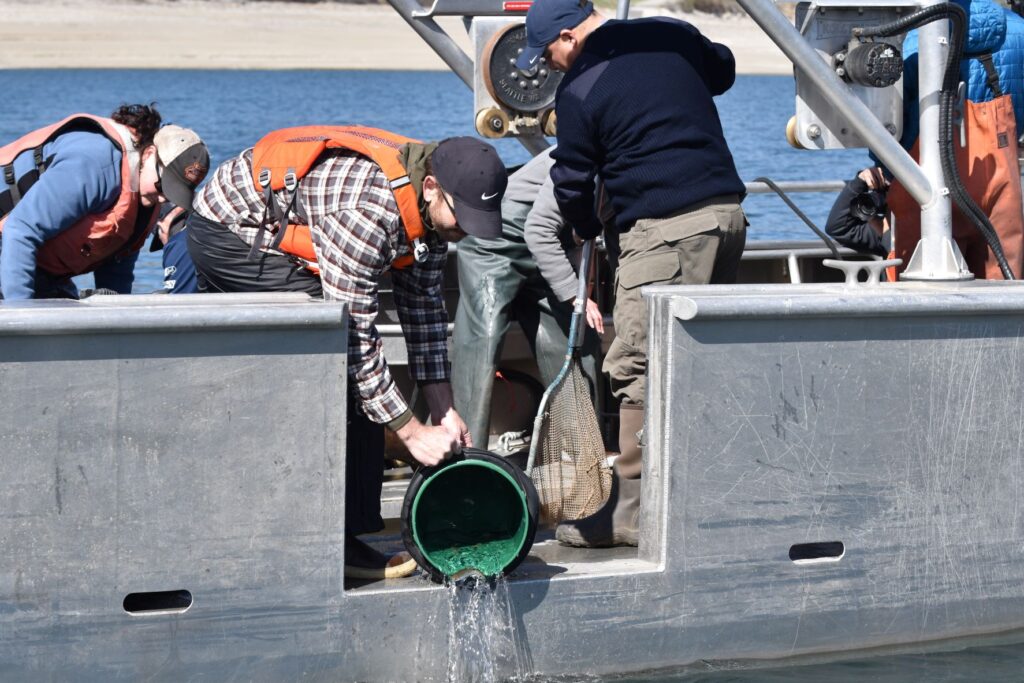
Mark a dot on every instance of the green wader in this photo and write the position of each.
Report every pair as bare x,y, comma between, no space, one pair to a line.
499,281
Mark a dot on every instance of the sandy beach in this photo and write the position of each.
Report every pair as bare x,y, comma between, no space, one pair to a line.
268,35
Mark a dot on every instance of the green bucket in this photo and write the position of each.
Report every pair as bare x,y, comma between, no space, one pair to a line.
476,512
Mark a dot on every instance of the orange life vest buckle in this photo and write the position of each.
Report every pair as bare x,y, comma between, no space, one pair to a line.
419,250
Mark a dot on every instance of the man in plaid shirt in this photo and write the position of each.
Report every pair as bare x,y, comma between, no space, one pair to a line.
358,234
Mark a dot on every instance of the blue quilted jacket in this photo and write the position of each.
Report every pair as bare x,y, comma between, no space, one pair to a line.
992,29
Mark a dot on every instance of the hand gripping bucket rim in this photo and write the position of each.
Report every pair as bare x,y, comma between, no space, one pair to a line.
504,484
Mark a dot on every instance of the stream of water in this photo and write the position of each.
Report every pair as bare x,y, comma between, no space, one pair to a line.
483,635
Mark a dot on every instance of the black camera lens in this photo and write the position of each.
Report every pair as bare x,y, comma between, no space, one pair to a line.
868,205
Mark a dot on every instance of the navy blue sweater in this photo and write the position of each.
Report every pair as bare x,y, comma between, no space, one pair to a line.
636,107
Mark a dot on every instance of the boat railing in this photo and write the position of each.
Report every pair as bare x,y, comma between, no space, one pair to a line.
796,186
790,261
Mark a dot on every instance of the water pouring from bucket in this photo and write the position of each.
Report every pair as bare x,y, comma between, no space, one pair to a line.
472,516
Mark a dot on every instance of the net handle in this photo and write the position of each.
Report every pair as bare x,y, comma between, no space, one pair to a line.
578,326
575,342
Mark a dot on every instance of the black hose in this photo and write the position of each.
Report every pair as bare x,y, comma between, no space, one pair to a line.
829,242
915,20
947,105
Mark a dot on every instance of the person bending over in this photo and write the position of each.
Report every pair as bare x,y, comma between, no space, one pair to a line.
83,194
330,209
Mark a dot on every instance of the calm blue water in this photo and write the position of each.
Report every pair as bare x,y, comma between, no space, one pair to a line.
233,109
1000,661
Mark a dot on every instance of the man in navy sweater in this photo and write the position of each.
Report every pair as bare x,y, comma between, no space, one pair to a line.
636,108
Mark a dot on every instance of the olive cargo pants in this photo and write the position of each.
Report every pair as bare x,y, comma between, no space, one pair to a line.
701,244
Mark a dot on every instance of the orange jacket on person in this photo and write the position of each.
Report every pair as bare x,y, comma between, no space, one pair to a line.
282,158
94,238
988,161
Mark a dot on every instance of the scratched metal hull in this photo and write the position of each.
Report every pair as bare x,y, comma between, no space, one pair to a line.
173,444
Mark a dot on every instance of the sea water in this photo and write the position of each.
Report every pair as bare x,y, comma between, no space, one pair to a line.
231,110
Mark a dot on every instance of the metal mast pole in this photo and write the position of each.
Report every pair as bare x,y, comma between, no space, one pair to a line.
936,257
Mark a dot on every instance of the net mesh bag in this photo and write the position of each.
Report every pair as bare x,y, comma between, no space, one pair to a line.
570,469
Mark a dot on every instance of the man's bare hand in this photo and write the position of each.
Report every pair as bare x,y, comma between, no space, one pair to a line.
429,445
593,315
456,426
874,178
167,221
442,411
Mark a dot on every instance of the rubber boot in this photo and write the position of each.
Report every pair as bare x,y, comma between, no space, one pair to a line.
618,520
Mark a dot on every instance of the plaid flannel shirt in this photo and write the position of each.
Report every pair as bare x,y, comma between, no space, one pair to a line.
357,234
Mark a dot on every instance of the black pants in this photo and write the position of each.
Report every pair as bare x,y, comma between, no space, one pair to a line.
223,264
364,462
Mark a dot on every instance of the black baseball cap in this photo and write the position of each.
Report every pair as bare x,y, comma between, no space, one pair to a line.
545,21
471,171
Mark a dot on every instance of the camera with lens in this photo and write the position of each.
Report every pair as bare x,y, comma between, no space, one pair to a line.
867,205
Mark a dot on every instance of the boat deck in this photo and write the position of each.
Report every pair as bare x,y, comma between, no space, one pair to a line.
546,560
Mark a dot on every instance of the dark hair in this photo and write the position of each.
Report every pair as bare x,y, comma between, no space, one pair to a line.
144,120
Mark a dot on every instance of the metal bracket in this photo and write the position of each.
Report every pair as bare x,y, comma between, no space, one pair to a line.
945,262
420,251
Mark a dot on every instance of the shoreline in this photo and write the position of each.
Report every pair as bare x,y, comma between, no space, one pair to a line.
233,35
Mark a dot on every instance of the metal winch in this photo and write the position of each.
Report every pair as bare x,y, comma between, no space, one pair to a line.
509,100
873,69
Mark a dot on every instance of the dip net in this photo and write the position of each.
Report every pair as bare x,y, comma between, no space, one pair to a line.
567,464
570,468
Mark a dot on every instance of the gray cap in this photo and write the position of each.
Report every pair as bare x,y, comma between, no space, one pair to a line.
185,162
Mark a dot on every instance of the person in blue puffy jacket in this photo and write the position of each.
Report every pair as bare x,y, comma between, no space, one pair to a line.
992,70
992,29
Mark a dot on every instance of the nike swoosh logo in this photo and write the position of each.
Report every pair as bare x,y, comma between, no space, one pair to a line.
533,59
485,197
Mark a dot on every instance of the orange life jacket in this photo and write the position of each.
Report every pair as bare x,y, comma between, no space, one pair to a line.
95,238
282,158
988,165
